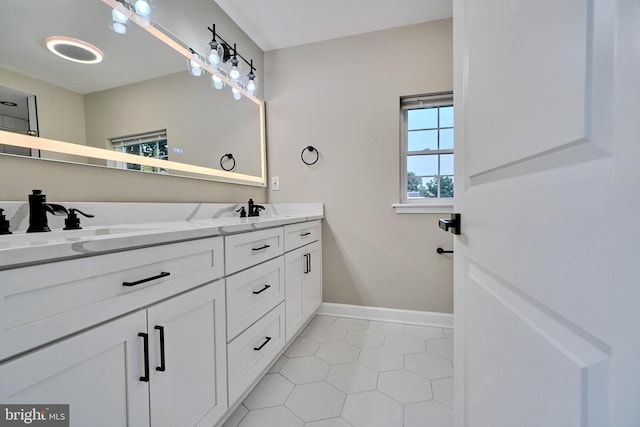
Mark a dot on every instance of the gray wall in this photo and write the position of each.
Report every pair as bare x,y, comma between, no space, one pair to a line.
342,96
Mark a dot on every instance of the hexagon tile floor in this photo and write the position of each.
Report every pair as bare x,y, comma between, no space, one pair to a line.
344,372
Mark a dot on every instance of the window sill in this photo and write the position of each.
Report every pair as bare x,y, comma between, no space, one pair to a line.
423,208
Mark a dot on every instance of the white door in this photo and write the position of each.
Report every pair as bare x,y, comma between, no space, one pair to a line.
312,282
188,381
547,295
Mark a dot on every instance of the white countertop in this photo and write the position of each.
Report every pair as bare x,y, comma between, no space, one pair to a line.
21,249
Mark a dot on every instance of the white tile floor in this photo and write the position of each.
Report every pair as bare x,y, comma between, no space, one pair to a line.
344,372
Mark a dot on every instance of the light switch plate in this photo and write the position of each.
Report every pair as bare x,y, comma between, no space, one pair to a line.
275,183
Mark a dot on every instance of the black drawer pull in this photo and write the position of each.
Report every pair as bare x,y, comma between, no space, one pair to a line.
145,337
261,248
162,366
262,290
148,279
263,344
305,234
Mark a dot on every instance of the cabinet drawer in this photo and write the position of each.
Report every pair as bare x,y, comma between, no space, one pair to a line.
247,249
253,350
296,235
253,293
44,302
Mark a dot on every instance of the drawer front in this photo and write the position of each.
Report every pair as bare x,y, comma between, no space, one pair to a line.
247,249
42,303
253,293
253,351
296,235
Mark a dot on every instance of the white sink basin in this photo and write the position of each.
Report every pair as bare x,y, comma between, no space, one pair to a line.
32,239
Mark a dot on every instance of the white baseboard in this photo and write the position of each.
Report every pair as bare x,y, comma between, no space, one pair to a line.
413,317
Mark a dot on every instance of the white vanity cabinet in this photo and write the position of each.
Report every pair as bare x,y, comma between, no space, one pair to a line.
169,335
167,362
303,278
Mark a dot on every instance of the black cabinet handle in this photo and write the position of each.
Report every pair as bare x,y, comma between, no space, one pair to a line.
305,234
148,279
262,290
307,263
263,344
145,337
162,366
261,248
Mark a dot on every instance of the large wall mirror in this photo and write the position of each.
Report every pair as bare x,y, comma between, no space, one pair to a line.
137,109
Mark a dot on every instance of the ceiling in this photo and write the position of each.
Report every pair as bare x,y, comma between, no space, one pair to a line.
277,24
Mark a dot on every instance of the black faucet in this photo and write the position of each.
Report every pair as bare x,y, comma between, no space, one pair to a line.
38,208
4,223
254,210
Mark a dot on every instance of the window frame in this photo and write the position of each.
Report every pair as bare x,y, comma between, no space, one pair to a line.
408,205
152,137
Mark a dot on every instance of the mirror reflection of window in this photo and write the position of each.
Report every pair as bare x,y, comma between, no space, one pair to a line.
149,144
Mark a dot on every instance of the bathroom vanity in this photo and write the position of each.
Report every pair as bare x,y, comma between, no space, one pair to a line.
165,324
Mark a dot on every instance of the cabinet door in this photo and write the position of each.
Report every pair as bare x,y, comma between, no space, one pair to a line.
294,270
189,332
303,286
312,280
96,372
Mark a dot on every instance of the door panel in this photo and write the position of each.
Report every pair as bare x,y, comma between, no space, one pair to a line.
537,70
543,280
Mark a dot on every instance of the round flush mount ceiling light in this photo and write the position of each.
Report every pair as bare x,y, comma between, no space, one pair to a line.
74,50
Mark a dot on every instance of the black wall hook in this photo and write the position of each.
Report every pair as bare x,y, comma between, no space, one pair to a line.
230,157
311,149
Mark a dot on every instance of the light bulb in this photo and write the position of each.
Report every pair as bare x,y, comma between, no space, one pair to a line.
119,16
236,94
143,8
214,56
195,68
216,82
119,24
251,87
234,72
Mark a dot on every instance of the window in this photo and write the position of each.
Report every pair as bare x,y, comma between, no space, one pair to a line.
427,148
152,144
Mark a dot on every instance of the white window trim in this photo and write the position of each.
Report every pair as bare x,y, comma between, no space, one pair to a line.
433,207
419,206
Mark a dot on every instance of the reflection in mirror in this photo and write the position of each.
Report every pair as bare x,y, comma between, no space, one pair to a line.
140,90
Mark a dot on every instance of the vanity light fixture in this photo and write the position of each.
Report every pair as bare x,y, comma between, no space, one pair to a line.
74,50
226,60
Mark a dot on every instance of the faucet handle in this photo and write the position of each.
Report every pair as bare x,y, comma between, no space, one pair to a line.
257,209
73,222
4,223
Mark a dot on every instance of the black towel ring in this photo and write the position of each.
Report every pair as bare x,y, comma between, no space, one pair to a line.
230,157
311,149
